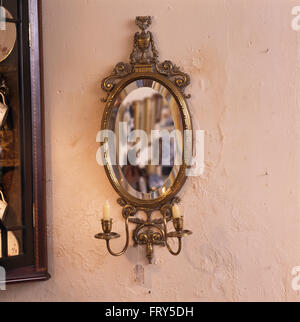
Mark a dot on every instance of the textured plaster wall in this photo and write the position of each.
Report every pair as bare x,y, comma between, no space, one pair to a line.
244,61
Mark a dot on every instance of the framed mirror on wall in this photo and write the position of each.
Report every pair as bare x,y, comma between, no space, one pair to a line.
147,113
23,251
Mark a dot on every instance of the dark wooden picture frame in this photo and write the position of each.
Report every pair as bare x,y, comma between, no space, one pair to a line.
35,266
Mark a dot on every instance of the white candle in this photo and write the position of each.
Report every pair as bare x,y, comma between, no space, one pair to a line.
106,211
176,212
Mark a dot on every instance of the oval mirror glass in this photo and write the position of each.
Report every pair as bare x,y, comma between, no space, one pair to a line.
149,139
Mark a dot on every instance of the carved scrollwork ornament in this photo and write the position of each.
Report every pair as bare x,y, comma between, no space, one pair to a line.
121,70
179,78
145,53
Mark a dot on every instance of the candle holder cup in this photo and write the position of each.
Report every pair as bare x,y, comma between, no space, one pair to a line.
179,233
178,223
106,226
107,234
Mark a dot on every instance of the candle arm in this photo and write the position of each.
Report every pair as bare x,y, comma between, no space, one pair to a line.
166,239
126,244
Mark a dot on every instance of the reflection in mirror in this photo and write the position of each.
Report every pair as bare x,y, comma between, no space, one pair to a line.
148,106
8,34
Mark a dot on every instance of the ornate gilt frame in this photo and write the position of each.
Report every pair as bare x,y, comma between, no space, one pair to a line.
144,64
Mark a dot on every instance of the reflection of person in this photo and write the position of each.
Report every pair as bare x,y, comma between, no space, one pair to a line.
155,182
143,185
148,112
132,175
140,180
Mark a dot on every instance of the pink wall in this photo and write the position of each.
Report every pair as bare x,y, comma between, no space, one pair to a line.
244,61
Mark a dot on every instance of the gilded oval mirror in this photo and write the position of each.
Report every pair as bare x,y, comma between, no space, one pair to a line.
144,146
147,111
148,114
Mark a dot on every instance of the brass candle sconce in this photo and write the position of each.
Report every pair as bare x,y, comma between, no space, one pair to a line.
150,232
147,95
